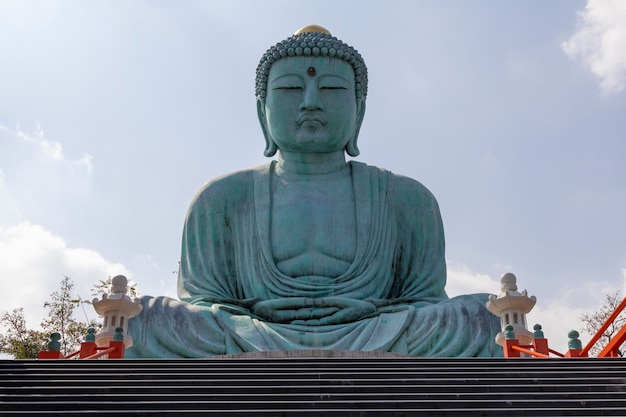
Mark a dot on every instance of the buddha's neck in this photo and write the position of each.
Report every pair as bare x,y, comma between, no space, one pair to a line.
311,163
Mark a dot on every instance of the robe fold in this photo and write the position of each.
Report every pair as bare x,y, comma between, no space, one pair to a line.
227,265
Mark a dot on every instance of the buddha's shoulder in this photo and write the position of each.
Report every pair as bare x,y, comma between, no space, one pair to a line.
233,187
403,189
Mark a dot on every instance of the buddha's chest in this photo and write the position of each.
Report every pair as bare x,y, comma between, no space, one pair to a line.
313,222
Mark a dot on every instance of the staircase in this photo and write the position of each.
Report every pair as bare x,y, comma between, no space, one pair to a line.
315,385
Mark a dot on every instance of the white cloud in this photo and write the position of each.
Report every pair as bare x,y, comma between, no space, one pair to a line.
560,315
148,261
38,182
557,318
601,42
51,149
461,280
33,261
9,208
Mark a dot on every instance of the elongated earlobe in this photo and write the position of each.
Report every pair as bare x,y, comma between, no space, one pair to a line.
270,145
351,147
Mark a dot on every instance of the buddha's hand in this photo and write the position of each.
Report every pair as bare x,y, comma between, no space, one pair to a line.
313,311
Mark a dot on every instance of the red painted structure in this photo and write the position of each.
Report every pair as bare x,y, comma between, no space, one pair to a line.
540,349
89,349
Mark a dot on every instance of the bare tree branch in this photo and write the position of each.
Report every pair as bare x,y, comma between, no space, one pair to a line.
592,322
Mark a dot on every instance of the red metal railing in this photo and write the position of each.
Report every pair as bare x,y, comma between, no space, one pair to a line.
539,347
88,350
611,349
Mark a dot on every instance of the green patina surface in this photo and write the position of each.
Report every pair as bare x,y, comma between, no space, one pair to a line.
310,251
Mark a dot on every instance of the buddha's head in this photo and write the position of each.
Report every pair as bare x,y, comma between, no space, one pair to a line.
310,91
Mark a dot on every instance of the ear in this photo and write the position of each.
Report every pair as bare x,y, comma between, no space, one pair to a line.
351,147
270,146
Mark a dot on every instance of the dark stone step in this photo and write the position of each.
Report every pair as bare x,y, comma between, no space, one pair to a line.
104,371
310,396
341,386
361,412
320,404
272,379
335,386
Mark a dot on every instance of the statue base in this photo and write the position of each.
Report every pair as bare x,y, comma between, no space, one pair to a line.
317,353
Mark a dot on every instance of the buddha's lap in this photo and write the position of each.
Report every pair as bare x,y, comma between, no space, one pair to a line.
456,327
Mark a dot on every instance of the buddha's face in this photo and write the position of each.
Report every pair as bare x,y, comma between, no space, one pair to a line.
311,105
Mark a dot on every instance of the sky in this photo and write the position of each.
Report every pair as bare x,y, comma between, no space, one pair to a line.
114,113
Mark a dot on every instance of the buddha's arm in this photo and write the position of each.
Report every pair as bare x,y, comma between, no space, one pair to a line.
420,266
207,269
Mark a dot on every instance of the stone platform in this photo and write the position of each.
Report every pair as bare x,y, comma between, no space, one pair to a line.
311,383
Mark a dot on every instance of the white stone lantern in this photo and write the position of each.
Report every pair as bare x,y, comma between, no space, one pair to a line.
116,308
512,308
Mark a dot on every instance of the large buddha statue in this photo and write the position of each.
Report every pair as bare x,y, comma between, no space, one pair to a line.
311,251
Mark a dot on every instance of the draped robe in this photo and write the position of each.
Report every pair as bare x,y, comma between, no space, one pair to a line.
227,266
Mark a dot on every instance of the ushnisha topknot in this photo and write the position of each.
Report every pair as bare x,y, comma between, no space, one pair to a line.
312,40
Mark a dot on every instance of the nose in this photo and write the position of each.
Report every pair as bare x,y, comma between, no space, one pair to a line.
311,99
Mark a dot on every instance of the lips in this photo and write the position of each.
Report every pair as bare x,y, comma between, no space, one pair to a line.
307,118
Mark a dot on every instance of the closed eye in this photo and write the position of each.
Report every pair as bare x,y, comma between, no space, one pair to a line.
332,88
288,88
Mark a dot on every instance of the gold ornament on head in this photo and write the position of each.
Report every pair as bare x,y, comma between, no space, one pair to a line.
312,28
